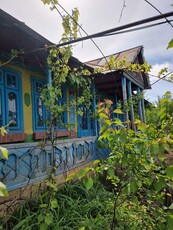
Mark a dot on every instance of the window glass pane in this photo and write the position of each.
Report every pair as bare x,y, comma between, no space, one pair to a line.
63,93
11,80
0,108
0,75
39,105
62,118
84,118
12,109
39,87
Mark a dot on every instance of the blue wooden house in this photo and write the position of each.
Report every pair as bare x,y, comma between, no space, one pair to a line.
21,79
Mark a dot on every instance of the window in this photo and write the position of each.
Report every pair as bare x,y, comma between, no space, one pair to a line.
62,101
11,109
39,110
40,114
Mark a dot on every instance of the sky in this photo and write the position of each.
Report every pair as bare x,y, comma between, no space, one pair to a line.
99,15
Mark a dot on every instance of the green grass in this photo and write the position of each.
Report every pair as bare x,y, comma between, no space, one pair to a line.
71,207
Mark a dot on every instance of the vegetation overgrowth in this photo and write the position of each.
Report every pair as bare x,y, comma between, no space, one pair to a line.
132,189
137,174
139,169
71,207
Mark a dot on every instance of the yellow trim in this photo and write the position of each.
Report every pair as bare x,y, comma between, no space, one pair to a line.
26,88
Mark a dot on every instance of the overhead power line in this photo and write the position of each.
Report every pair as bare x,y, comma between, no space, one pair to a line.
161,78
158,12
110,31
138,28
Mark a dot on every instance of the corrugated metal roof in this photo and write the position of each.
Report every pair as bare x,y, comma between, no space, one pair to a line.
129,55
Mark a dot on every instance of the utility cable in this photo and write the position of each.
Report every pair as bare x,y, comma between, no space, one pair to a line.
138,28
158,12
109,31
161,78
90,38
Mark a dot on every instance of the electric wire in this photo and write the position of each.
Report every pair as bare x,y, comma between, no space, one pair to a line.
161,78
158,17
158,11
90,39
138,28
106,32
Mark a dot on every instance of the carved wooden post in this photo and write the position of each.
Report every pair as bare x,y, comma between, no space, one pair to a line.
129,90
124,91
143,109
94,108
139,104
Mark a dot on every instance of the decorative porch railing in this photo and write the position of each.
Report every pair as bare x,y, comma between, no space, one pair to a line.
29,163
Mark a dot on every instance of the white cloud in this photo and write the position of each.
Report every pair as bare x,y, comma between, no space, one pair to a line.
160,88
158,67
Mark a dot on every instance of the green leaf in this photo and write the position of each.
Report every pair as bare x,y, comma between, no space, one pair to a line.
154,147
43,226
88,183
118,122
49,219
118,111
96,162
161,225
81,173
3,190
54,203
169,222
111,172
158,185
43,206
170,184
40,217
103,115
169,171
170,45
137,121
3,131
133,186
123,135
4,152
135,199
142,127
70,176
171,207
108,122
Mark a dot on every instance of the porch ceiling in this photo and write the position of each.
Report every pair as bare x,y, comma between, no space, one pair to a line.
108,84
111,83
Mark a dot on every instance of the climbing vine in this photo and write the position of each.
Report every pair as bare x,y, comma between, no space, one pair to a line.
4,152
77,77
